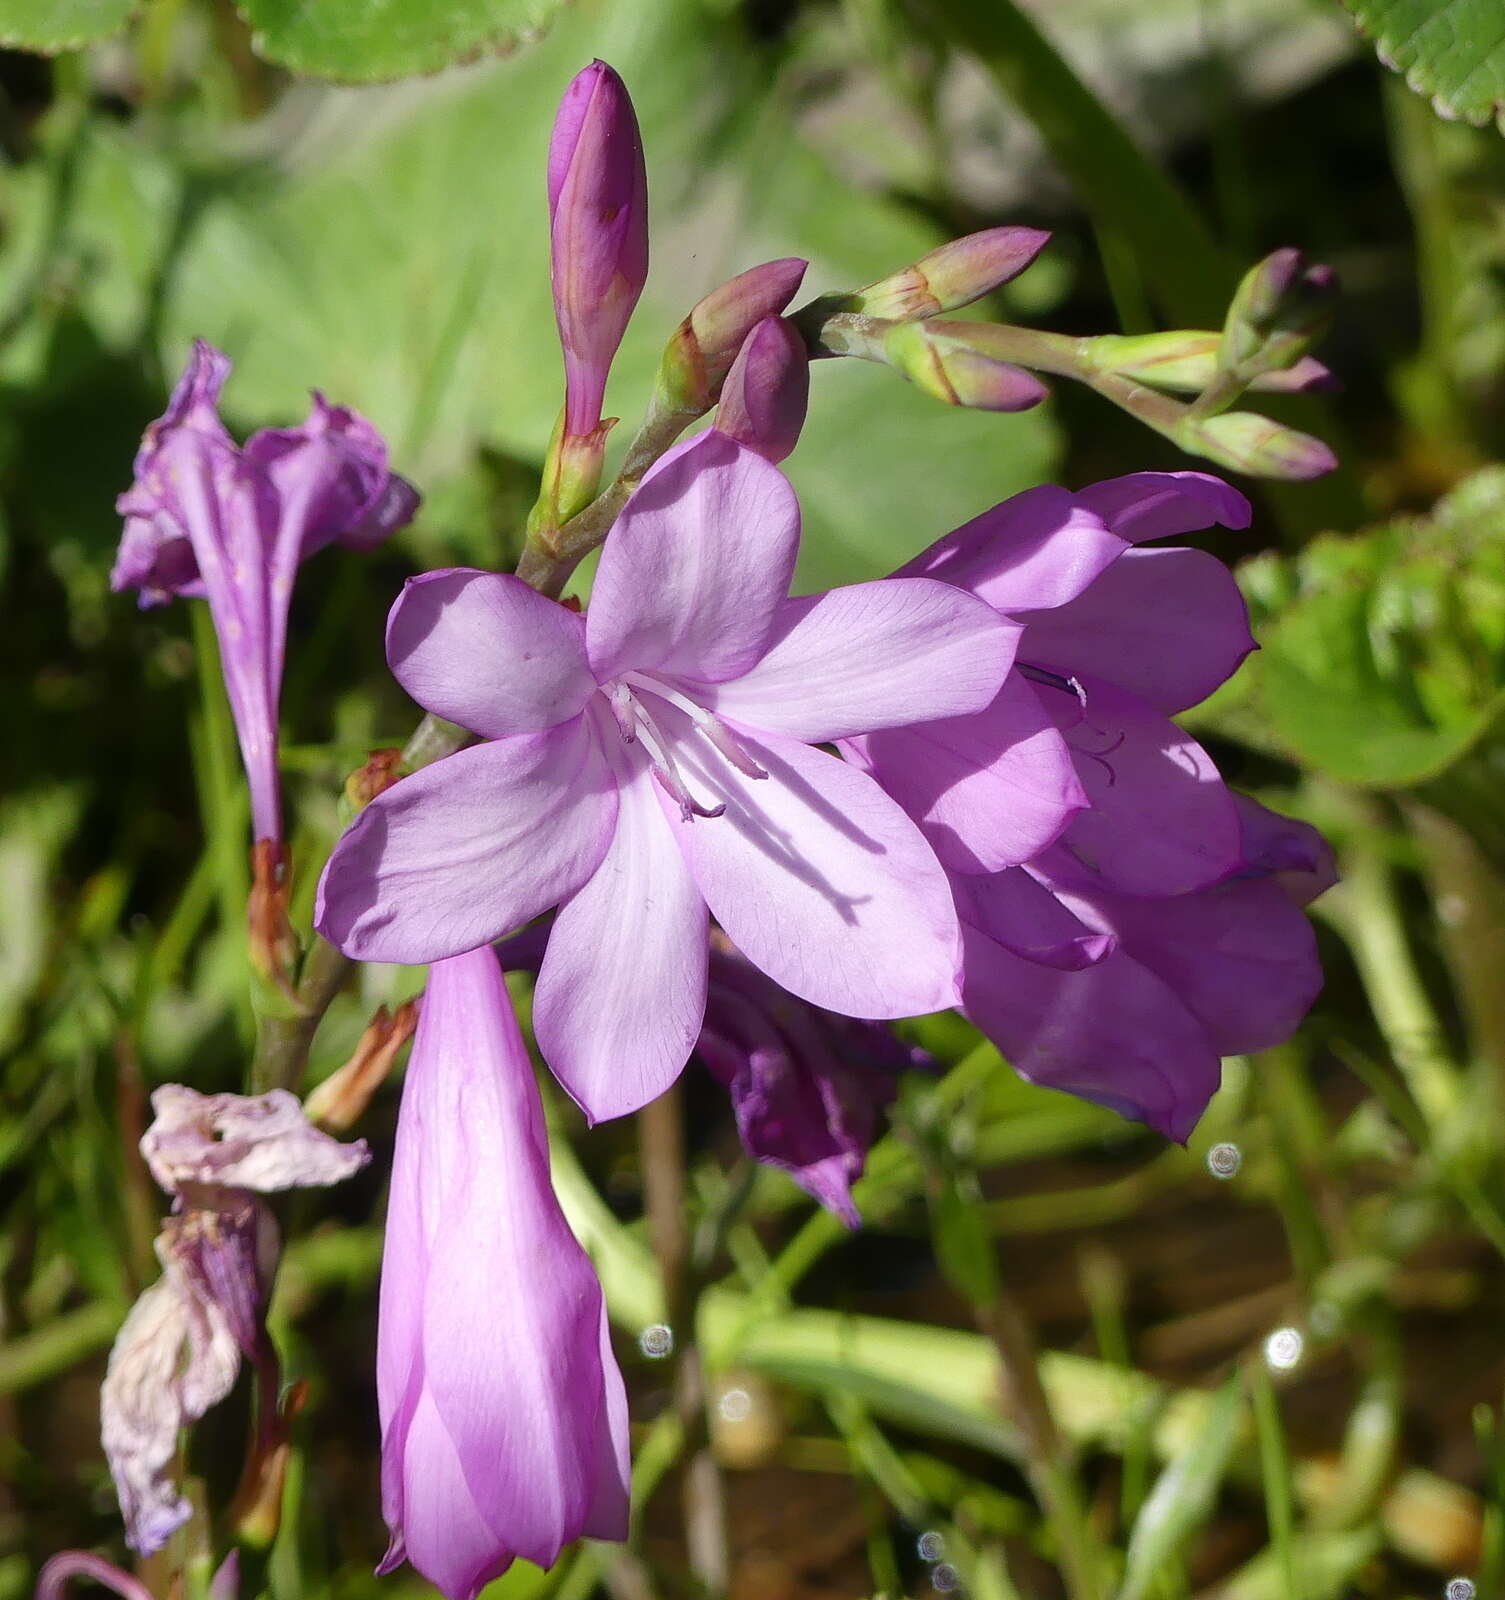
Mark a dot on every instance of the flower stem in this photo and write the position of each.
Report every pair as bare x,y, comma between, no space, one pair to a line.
1047,1455
284,1039
661,1136
1367,912
547,561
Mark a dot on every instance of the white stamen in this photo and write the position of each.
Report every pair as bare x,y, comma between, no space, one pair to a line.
720,736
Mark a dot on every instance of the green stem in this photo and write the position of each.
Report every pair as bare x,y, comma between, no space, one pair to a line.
1367,910
661,1135
1468,894
547,563
1047,1455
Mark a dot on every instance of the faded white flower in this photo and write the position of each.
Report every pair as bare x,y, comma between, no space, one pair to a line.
180,1348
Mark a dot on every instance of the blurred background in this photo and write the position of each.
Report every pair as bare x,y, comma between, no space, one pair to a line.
1275,1360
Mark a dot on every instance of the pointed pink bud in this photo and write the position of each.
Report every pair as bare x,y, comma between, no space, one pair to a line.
952,276
767,392
705,344
1247,442
951,362
598,212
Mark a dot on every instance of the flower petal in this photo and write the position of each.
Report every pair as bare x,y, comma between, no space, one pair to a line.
1112,1033
989,791
469,848
1036,549
173,1358
872,655
1164,505
485,650
1024,916
1292,852
693,573
1167,625
261,1142
821,880
444,1536
1161,821
1240,957
621,992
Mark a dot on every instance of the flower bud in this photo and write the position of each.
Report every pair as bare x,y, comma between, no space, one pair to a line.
767,392
1186,362
1278,310
337,1104
1247,442
703,347
951,362
598,212
950,277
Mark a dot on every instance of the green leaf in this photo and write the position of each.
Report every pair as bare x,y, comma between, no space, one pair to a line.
364,41
54,25
964,1247
1453,51
1384,651
1183,1494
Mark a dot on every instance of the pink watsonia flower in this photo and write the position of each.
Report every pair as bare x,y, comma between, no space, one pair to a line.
1110,639
598,212
1132,1001
656,759
205,517
503,1414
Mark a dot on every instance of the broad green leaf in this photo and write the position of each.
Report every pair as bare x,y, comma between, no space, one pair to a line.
1384,651
364,41
1183,1494
54,25
1450,50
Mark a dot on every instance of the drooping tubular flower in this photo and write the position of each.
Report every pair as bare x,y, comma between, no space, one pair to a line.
1110,640
205,517
503,1415
806,1085
180,1349
1132,1001
657,757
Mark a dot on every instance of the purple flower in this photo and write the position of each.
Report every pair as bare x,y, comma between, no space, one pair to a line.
1079,745
206,518
767,392
598,210
503,1416
1131,1001
806,1085
655,758
180,1348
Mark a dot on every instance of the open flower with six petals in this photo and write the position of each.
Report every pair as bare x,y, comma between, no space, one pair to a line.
654,762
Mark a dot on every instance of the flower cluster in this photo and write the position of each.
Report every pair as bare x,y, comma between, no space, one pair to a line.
722,820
